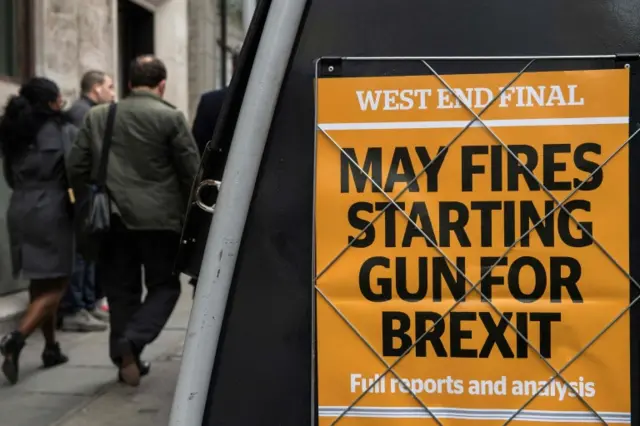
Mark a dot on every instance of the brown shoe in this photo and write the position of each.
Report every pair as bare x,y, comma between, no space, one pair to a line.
143,366
129,368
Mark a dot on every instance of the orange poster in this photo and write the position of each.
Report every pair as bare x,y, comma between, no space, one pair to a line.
394,283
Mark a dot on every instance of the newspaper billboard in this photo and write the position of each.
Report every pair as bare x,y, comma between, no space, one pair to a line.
394,279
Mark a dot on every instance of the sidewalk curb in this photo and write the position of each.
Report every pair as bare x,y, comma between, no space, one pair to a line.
12,306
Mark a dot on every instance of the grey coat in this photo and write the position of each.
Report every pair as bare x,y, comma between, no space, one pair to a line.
38,218
79,110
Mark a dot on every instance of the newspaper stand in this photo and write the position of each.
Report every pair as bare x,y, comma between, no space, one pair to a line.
276,342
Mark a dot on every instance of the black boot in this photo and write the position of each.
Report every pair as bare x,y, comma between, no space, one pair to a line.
10,347
53,356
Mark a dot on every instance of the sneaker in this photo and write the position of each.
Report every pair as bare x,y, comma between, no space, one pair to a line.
82,321
99,314
103,305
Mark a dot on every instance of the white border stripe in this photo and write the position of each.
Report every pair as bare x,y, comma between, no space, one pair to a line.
531,122
476,414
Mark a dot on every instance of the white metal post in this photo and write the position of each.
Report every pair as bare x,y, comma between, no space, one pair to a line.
248,7
232,207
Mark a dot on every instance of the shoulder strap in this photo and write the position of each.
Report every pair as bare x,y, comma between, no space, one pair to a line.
106,145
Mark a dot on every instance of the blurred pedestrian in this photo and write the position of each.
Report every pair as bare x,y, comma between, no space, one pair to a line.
207,113
81,308
34,135
153,160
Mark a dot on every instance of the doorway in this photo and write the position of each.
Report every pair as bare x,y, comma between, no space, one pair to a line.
135,37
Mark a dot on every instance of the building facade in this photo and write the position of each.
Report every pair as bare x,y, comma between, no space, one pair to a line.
61,39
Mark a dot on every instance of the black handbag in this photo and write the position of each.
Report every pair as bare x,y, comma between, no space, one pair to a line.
95,210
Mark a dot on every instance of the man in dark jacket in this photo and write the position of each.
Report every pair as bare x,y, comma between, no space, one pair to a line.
204,124
97,88
152,162
80,309
207,114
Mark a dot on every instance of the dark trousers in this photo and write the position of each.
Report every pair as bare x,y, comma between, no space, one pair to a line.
97,291
81,291
123,254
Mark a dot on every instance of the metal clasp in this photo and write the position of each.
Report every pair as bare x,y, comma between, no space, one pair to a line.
207,183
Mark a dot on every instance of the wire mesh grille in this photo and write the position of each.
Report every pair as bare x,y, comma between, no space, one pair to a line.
474,287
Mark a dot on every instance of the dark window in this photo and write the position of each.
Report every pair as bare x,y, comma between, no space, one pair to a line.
15,39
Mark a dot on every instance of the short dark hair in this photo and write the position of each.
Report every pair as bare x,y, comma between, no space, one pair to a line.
90,79
147,71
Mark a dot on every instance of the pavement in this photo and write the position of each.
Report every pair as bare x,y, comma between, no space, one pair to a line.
85,392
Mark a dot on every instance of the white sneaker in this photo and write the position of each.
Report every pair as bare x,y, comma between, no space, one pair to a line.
82,321
99,314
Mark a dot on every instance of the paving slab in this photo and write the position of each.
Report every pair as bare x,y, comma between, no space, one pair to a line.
30,409
69,380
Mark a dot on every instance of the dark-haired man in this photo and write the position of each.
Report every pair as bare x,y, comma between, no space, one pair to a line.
153,160
80,308
207,113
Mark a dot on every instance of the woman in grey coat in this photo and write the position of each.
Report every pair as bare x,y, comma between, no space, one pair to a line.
33,136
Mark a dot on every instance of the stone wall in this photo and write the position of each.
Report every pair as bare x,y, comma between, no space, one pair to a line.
6,89
202,53
172,46
73,36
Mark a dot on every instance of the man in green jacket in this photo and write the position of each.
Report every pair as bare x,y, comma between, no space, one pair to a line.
152,163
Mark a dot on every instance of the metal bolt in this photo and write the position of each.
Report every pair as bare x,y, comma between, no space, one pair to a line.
627,66
331,68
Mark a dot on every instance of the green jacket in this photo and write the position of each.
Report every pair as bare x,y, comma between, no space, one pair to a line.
152,161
